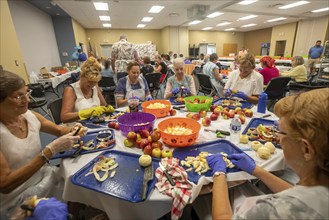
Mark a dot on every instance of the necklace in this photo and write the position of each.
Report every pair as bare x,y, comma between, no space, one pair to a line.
20,125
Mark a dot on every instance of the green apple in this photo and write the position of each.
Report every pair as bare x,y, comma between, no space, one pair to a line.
166,153
128,143
156,152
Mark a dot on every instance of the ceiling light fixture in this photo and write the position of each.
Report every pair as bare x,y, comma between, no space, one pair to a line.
147,19
215,14
156,9
141,25
206,28
223,24
194,22
248,25
247,2
276,19
320,10
247,17
107,25
104,18
295,4
229,29
101,6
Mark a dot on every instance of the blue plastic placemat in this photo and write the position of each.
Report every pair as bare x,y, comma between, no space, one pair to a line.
213,147
86,138
174,102
126,183
254,122
245,104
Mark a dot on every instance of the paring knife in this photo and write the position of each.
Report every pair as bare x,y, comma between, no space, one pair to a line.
75,133
78,151
148,175
266,116
171,181
217,130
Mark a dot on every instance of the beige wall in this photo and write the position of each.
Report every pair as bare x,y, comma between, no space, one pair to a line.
254,39
284,32
10,51
217,37
164,44
79,33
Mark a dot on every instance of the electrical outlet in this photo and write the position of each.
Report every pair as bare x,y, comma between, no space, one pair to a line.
16,63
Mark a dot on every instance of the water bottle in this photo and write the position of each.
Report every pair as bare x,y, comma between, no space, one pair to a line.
262,100
235,128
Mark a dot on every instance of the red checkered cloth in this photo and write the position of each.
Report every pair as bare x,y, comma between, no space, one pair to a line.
181,192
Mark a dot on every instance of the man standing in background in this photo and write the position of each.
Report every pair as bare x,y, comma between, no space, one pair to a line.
314,56
123,52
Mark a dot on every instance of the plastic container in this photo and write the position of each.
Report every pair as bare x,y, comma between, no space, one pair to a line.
235,128
262,100
193,107
136,121
160,112
179,140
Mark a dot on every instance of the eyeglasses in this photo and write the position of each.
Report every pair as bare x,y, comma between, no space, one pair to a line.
279,132
21,97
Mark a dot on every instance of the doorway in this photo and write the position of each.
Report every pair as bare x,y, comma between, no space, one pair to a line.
229,49
106,50
280,47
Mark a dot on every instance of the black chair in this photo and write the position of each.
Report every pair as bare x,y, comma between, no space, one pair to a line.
276,89
169,73
55,108
37,97
121,74
108,86
205,85
153,82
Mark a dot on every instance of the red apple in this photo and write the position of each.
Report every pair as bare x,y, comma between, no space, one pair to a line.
248,113
132,136
166,153
202,113
144,133
111,124
156,152
206,121
116,127
231,113
213,117
242,118
238,109
172,112
225,115
156,135
157,144
128,143
138,143
212,108
148,150
218,110
143,143
196,116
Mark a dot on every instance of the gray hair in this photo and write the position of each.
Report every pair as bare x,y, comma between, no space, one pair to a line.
178,61
123,36
298,60
213,57
9,83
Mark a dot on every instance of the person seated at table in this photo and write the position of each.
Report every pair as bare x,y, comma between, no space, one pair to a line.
160,67
22,159
147,67
84,99
304,128
245,83
132,86
107,69
178,80
268,69
298,71
211,68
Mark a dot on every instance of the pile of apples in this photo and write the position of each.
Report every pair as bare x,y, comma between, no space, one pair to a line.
206,121
198,101
149,143
227,113
114,125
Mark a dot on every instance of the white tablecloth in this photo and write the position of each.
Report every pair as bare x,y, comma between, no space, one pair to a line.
57,78
157,204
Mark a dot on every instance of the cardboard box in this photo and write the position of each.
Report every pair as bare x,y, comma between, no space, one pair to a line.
44,73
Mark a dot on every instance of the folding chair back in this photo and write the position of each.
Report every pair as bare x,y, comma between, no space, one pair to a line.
37,97
153,82
55,108
107,86
205,85
276,88
121,74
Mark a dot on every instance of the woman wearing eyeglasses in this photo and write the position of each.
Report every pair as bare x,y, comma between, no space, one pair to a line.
246,81
304,129
22,160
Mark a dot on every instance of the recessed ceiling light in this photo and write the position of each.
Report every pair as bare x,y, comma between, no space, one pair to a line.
320,10
141,25
229,29
107,25
223,24
295,4
215,14
247,17
247,2
207,28
104,18
194,22
156,9
147,19
248,25
101,6
276,19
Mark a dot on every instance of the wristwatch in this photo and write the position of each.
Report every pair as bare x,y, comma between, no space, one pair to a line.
218,173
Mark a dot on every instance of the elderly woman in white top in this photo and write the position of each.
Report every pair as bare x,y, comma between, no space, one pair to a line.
245,82
211,69
180,79
84,99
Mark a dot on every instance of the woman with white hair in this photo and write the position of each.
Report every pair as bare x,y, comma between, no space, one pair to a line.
298,71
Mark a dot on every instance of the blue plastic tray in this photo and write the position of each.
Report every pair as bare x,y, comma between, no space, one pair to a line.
213,147
126,183
174,102
89,122
86,138
254,122
245,104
